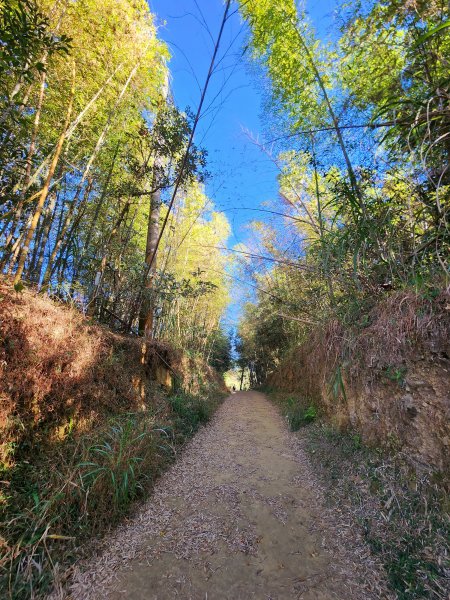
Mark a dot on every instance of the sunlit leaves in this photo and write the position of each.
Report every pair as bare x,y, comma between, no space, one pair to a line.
283,42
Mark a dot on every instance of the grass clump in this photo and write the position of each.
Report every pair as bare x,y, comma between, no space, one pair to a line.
79,487
77,491
403,515
190,412
297,413
115,466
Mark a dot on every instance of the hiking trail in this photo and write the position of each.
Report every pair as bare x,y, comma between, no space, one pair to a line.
238,516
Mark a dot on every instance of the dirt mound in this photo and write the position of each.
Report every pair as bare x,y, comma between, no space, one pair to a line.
59,372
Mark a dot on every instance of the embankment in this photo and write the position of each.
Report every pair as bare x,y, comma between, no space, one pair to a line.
387,376
86,426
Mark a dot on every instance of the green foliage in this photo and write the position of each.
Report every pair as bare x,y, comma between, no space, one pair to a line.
124,146
19,287
284,43
220,358
24,36
365,207
403,51
190,413
68,492
25,39
337,384
166,139
296,414
396,374
426,36
115,463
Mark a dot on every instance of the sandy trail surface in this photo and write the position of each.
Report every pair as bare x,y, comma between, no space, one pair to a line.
238,516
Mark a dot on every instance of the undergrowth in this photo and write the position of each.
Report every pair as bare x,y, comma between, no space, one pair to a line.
189,413
404,516
297,413
80,487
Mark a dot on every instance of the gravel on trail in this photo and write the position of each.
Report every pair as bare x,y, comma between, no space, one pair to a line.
239,516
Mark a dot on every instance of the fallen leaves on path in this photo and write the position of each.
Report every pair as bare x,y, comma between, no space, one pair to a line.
239,516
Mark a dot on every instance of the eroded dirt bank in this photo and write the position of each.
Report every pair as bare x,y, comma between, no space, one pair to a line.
239,516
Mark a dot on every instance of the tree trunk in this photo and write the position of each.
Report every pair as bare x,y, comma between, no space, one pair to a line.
15,250
36,273
98,146
92,305
147,308
98,208
59,240
31,151
325,265
146,315
73,126
45,189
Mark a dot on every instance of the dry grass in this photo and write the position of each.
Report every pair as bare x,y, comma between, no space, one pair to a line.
402,515
403,325
84,431
60,373
368,375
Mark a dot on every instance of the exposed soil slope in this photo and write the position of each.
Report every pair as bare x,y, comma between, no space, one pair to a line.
239,516
387,375
60,372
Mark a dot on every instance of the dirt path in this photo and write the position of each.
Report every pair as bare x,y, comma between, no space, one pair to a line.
239,516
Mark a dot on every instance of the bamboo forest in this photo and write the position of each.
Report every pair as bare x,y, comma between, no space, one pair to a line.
224,299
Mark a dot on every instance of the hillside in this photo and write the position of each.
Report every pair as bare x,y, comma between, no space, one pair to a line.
387,378
86,427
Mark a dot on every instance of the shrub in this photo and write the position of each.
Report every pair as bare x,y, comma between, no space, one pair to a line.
190,412
83,486
297,415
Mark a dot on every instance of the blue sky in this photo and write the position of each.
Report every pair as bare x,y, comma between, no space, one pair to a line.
242,177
